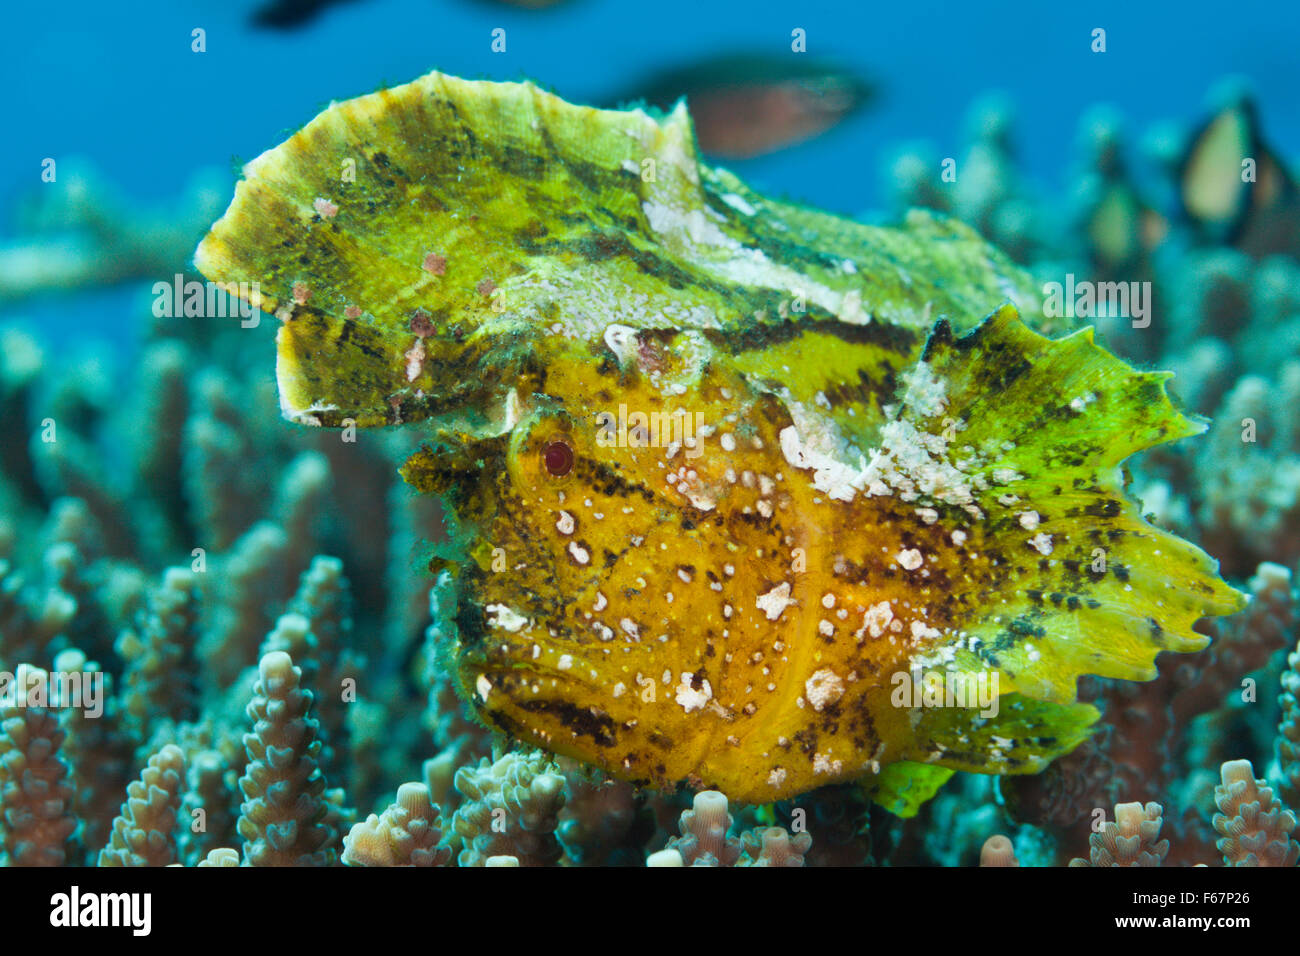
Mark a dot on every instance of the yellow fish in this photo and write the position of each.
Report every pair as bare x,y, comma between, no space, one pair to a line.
749,496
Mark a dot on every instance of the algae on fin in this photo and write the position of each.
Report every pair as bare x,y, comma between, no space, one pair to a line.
903,788
420,243
1051,423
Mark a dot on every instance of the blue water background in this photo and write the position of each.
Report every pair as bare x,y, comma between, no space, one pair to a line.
118,83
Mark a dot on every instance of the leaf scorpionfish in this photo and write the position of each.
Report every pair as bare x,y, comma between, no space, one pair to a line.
743,488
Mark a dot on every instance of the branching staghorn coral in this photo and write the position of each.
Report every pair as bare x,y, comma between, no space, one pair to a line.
1288,741
161,671
81,230
163,397
100,750
21,363
1256,828
282,819
222,856
73,545
36,615
36,796
408,833
998,851
64,570
252,589
458,739
324,601
209,810
773,846
1131,839
338,818
706,840
510,808
1242,644
145,832
449,721
29,619
225,491
1250,479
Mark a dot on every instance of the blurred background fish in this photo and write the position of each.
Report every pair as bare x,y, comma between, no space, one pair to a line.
290,14
526,4
1232,184
751,104
1117,221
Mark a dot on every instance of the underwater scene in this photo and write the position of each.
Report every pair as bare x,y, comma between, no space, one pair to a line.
470,433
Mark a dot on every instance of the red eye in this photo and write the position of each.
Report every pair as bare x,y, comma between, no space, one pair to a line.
558,458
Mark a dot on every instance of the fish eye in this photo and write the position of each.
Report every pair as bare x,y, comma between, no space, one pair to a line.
557,456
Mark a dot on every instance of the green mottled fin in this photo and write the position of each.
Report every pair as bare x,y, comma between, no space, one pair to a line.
1058,573
423,245
1023,736
902,788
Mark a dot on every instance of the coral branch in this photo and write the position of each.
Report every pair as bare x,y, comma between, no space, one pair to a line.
36,795
1131,840
998,851
144,833
281,820
511,809
1255,827
408,833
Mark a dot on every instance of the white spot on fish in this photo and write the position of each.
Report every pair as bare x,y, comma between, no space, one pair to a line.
910,558
504,617
775,601
823,688
690,698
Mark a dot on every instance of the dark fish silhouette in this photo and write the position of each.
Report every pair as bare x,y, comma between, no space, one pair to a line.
1215,191
290,14
526,4
1119,225
747,105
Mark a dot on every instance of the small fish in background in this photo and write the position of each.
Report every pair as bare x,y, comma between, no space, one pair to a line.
526,4
748,105
1121,228
1118,223
290,14
1256,213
